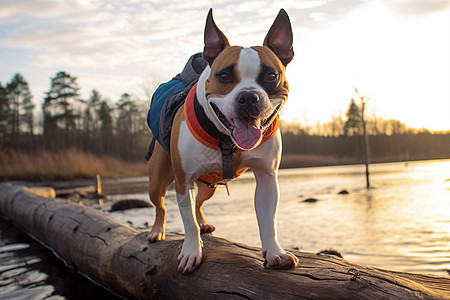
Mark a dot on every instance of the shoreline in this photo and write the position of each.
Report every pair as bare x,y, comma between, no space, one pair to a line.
78,166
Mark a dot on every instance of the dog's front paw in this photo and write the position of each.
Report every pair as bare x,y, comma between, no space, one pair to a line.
207,228
156,234
279,260
190,257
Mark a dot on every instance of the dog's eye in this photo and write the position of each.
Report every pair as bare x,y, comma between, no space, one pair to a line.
271,76
224,77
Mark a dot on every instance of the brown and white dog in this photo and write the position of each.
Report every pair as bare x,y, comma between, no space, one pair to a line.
241,92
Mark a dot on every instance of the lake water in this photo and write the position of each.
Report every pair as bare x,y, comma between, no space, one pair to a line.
28,270
402,223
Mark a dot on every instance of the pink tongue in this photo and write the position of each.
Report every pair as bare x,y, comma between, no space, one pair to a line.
246,133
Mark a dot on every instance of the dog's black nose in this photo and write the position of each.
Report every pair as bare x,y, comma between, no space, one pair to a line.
247,98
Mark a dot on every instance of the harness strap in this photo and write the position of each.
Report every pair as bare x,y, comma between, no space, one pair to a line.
227,160
208,134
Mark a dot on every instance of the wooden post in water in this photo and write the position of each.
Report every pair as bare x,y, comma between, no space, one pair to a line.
366,146
366,138
98,189
98,184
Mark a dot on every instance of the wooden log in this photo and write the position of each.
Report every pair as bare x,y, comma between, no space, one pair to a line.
101,187
42,191
90,189
95,188
120,259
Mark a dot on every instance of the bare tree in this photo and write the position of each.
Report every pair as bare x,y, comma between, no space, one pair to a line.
366,137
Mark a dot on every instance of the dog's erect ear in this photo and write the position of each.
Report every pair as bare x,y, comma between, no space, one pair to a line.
215,40
279,38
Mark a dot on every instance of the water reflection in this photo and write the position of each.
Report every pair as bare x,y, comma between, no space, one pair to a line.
402,223
30,271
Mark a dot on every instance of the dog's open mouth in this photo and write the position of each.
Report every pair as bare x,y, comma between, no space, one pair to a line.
246,132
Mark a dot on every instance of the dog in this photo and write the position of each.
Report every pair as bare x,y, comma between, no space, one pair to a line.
239,94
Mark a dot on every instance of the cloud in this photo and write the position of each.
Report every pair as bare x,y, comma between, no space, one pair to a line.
111,35
11,10
83,32
142,38
417,8
111,44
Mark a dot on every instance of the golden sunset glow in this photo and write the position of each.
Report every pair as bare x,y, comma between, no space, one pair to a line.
312,137
399,62
395,52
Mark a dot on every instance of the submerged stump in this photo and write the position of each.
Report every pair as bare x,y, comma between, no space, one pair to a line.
120,259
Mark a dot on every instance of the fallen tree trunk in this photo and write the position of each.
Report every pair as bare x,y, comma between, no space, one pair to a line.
120,259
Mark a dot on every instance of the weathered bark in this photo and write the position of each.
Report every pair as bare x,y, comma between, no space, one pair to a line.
120,259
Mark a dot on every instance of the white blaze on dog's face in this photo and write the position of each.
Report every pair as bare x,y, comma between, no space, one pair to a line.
246,93
245,88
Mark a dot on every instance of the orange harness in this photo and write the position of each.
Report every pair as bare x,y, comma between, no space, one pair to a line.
207,134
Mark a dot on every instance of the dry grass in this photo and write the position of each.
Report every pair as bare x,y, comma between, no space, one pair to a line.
74,164
65,165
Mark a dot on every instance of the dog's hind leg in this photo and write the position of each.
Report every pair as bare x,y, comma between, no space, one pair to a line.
204,193
160,177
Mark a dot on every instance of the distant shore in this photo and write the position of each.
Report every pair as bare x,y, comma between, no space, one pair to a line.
74,164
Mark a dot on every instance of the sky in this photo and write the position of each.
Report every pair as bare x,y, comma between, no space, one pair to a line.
395,52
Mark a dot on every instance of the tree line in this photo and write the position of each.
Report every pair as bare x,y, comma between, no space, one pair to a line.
389,140
103,127
68,121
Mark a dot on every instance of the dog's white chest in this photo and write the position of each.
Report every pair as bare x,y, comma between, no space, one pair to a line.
196,158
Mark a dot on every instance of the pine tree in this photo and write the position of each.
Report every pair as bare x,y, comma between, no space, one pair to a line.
127,115
104,118
90,119
58,107
4,116
353,125
20,107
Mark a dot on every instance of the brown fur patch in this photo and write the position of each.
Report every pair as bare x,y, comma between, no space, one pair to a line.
177,167
269,58
159,172
228,57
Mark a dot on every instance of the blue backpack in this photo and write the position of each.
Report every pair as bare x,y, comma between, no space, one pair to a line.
168,98
162,93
